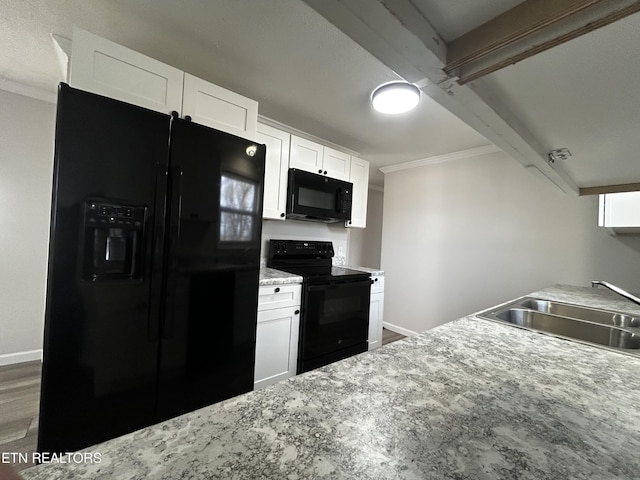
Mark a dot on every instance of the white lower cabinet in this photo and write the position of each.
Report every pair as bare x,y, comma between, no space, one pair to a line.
376,308
277,334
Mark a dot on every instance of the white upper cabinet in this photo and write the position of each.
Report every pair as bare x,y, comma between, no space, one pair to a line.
335,164
359,176
219,108
106,68
316,158
306,155
620,212
275,171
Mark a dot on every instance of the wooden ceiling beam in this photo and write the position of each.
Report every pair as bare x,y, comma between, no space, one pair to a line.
398,35
625,187
526,30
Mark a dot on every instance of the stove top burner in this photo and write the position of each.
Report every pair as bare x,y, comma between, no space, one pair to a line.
309,259
325,273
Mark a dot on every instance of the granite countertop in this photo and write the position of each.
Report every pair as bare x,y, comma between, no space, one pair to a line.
471,399
271,276
373,271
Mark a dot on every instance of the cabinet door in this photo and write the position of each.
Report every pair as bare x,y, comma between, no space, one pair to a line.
106,68
621,209
276,345
219,108
306,155
378,283
275,171
359,176
376,308
335,164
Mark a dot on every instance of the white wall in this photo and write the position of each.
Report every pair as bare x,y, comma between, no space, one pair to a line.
365,244
26,164
353,246
301,230
468,234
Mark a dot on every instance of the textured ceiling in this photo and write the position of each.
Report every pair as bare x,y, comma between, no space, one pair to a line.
452,19
584,95
302,70
306,73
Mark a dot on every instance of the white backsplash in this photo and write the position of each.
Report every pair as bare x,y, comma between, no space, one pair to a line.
300,230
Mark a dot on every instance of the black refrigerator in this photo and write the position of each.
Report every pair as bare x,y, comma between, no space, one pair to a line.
153,270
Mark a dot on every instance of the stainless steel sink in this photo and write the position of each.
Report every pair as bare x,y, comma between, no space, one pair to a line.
571,328
604,317
604,328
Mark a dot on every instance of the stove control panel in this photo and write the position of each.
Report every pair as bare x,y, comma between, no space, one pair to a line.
299,248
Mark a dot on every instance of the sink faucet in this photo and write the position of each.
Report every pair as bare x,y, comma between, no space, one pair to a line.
618,290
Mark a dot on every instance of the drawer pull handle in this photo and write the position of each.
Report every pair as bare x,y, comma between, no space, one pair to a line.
277,289
296,312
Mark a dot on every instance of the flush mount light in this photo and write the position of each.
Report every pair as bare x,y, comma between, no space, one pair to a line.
395,97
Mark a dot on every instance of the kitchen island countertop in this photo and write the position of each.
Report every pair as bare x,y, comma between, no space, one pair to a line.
470,399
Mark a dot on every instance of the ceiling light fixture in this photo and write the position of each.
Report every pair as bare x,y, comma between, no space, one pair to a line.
395,97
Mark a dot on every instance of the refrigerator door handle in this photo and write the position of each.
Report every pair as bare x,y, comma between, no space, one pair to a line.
175,211
158,260
176,203
167,318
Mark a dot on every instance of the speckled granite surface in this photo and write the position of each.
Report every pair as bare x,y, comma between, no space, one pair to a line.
270,276
373,271
471,399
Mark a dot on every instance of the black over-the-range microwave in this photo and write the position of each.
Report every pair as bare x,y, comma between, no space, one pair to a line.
318,198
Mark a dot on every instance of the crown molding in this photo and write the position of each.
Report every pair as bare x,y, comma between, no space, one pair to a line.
27,90
447,157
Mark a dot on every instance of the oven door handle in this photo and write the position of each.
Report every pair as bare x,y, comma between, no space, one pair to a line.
333,285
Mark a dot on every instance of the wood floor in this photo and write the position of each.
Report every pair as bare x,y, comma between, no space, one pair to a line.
19,402
389,336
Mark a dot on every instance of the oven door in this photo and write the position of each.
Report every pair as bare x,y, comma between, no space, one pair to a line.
335,322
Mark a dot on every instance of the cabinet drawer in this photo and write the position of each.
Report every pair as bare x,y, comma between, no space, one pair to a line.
278,296
378,283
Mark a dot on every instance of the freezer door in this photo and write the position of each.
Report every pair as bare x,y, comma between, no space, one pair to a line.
101,329
215,220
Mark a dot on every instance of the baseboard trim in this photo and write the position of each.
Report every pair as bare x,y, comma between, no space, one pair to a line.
20,357
400,330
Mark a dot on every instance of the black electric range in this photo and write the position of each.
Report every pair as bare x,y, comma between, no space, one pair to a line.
334,323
